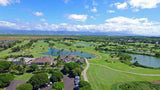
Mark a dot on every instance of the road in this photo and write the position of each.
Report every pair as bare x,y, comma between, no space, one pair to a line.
84,73
68,83
14,84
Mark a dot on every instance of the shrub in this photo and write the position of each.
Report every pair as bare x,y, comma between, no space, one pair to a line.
4,65
84,85
25,86
5,79
58,85
33,67
56,76
76,72
39,80
70,66
139,85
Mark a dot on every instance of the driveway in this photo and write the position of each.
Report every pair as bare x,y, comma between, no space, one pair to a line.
14,84
68,83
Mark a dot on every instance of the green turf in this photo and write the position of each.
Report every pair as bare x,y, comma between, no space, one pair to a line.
24,77
102,78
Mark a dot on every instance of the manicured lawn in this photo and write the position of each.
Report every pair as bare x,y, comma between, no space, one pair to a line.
24,77
102,78
121,66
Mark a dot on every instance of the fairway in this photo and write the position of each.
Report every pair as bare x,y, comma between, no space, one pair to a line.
102,78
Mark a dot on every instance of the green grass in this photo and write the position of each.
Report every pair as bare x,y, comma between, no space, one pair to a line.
121,66
24,77
102,78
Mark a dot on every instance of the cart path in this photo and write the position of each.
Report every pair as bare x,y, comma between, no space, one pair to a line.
84,73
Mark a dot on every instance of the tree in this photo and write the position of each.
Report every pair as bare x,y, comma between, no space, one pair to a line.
34,67
25,86
84,85
58,85
70,66
76,72
56,76
5,79
39,80
4,65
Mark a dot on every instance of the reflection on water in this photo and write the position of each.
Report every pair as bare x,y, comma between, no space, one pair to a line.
56,52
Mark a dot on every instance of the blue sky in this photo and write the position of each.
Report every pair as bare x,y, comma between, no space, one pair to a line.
134,16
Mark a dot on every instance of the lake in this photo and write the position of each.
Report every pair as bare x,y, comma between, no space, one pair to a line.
76,53
143,59
85,44
146,60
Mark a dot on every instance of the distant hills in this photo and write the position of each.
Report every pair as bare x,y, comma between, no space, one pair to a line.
38,32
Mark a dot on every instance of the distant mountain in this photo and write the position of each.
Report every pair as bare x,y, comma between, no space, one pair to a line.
38,32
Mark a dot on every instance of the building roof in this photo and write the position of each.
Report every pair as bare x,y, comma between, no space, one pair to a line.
45,59
68,57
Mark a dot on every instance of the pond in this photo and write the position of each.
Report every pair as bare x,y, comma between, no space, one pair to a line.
56,52
85,44
139,50
143,59
146,60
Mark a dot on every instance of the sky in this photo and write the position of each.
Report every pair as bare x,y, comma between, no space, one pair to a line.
140,17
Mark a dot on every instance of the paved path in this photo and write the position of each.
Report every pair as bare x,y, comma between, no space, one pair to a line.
68,83
14,84
125,71
84,73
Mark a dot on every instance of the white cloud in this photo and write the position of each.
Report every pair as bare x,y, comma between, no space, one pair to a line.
8,2
143,4
38,13
42,20
94,9
110,11
121,5
75,17
137,4
138,26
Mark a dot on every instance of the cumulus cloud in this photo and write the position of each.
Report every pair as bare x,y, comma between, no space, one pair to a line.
137,26
94,9
38,13
121,5
144,3
137,4
80,18
8,2
110,11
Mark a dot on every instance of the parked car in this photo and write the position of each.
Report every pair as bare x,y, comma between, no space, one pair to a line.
77,80
76,87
